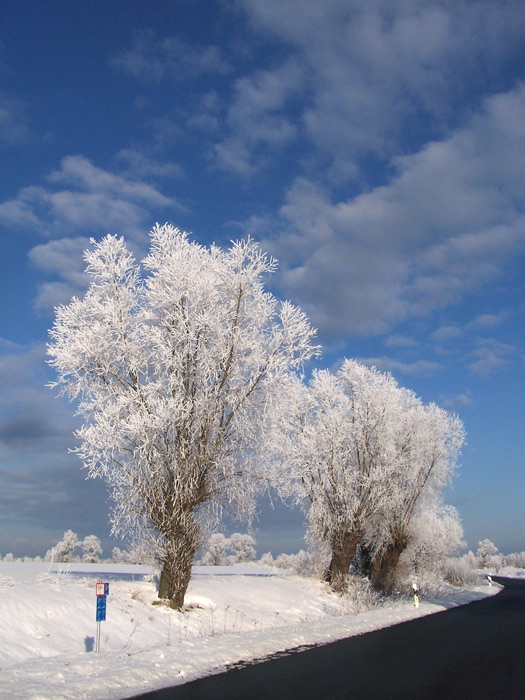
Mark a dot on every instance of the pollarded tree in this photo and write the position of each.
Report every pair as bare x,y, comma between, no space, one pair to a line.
339,450
359,453
430,441
175,364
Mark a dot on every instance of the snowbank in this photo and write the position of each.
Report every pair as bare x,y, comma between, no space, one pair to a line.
234,613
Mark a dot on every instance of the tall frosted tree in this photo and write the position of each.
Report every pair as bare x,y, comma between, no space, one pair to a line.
340,449
358,453
64,550
431,440
176,364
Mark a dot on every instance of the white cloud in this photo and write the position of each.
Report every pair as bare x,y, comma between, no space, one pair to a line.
490,356
41,480
445,334
63,258
400,341
448,220
486,321
81,197
419,368
153,59
453,403
375,68
18,364
256,118
139,165
79,172
80,200
14,121
20,212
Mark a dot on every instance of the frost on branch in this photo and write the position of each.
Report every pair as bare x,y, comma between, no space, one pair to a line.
176,366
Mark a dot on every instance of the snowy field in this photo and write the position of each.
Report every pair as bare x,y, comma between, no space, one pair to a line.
242,612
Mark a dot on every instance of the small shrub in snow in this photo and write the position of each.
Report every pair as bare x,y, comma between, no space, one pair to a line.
429,585
58,578
459,572
7,581
516,559
266,559
359,595
496,561
301,562
471,559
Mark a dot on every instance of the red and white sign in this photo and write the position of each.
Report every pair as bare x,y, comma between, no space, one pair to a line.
100,588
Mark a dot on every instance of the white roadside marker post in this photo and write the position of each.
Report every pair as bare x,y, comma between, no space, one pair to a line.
489,578
416,594
101,591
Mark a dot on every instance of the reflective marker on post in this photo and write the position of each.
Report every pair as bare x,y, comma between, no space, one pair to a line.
415,592
101,608
101,591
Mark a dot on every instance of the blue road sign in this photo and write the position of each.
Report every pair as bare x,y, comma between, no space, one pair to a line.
106,589
101,608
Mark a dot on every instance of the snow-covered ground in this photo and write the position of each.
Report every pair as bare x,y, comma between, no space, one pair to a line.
243,612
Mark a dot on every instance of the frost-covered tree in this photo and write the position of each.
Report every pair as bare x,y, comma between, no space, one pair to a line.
139,553
118,556
243,547
516,559
91,547
64,550
486,550
430,440
340,447
266,559
216,548
301,562
356,454
434,534
175,364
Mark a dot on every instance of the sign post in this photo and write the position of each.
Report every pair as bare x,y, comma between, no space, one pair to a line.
101,591
415,593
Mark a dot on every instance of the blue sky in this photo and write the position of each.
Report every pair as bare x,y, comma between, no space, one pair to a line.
377,149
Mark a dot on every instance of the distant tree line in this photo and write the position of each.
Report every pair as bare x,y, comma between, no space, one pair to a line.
426,557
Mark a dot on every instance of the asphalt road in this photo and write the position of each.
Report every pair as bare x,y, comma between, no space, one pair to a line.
471,652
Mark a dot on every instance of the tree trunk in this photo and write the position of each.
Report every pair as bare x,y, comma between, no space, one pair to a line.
365,559
343,552
178,562
383,569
